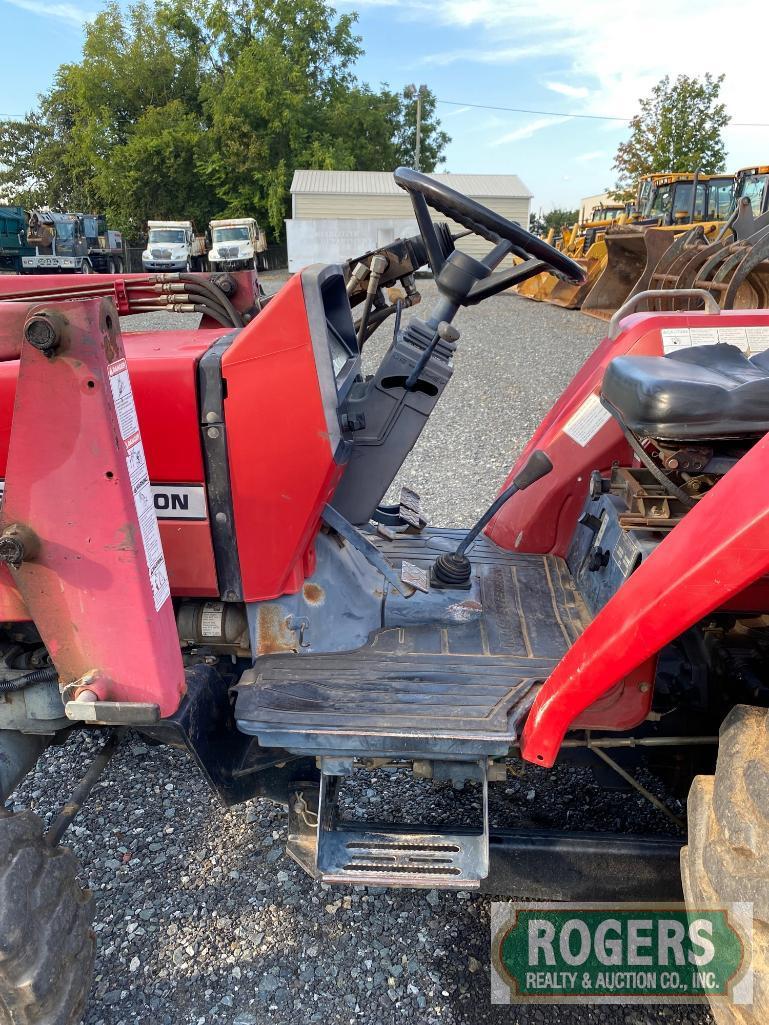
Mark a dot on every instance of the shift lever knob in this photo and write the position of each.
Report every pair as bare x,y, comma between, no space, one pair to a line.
453,570
537,465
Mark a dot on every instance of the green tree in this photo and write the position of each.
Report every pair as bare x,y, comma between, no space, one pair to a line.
678,129
155,173
559,219
193,108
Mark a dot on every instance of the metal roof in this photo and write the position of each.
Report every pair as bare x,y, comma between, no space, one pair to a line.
378,183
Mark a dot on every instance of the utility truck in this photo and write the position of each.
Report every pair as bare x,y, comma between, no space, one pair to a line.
76,243
236,244
174,246
13,238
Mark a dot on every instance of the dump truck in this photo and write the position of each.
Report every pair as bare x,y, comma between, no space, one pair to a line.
13,238
672,203
236,244
72,243
173,246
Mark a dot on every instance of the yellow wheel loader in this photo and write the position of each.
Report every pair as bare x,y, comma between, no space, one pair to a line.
733,266
667,205
583,242
590,254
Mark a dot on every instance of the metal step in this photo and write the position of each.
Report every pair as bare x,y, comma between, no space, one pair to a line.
335,852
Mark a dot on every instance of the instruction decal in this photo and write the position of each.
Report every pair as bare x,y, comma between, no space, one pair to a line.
583,425
136,464
749,339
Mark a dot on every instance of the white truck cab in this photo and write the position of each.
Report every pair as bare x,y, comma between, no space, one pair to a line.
173,246
235,244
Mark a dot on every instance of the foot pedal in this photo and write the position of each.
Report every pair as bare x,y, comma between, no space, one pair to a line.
407,517
411,509
390,855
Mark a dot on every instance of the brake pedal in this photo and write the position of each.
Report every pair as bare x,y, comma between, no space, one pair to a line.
389,854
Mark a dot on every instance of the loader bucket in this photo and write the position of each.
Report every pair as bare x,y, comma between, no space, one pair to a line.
571,296
625,263
531,288
671,260
736,273
566,293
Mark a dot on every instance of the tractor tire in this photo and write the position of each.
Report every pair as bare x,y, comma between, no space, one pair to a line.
727,855
47,944
86,267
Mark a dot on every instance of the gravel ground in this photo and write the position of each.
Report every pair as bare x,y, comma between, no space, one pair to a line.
202,919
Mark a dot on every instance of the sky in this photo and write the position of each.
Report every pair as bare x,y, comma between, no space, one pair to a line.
556,59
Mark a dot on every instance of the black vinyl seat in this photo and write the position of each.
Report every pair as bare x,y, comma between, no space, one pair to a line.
705,392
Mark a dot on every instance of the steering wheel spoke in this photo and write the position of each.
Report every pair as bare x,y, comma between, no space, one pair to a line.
504,279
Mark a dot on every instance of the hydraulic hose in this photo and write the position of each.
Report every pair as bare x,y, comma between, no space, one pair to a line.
216,293
184,302
46,675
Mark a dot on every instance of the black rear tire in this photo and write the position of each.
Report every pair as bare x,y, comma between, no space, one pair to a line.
47,945
727,855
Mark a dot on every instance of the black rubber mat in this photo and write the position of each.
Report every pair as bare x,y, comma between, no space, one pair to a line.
461,679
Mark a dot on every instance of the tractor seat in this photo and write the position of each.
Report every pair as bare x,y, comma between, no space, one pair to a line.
706,392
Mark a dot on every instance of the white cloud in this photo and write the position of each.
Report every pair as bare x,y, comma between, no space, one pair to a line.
488,55
577,92
596,154
526,131
593,43
70,13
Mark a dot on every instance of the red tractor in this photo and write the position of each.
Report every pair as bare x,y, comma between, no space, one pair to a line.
195,546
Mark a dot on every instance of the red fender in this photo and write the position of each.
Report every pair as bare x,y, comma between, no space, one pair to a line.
718,549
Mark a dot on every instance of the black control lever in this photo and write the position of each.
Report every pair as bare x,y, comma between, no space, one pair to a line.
453,569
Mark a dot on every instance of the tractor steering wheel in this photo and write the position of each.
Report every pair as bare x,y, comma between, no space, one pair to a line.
507,237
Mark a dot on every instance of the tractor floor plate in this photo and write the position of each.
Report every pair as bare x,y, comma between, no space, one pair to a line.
452,675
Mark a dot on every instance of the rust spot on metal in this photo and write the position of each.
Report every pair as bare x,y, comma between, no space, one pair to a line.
464,611
273,633
313,593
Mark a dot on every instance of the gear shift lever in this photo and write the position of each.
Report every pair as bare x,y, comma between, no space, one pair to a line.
453,568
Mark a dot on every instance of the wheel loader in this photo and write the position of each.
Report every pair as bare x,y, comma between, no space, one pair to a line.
671,204
583,242
733,267
196,545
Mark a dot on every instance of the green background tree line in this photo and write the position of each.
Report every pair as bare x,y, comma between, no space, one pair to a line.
198,109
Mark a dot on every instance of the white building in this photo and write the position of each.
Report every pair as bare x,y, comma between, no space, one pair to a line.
337,215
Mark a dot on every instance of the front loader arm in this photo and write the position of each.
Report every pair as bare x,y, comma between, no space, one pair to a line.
78,534
719,549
